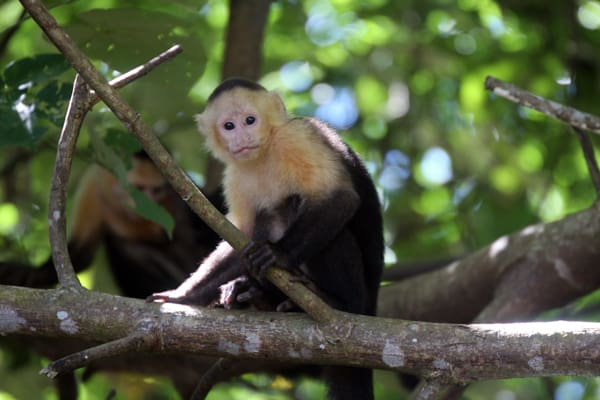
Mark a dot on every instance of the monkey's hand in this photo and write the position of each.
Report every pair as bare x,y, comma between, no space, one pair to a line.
231,290
168,296
246,291
242,292
260,256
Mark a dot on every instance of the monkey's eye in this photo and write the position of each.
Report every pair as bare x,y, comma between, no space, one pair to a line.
250,120
229,125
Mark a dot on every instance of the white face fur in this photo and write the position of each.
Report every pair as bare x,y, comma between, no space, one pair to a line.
240,130
238,123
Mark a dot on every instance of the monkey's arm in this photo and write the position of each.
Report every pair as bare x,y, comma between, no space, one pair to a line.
203,286
18,274
316,224
85,238
44,276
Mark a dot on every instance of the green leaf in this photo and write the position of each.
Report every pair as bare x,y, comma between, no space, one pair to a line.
13,131
108,158
150,210
33,70
124,38
122,142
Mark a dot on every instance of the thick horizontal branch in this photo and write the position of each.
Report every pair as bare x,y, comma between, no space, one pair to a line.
516,277
452,353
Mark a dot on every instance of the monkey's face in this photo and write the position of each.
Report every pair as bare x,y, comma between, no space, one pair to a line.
145,177
240,132
238,124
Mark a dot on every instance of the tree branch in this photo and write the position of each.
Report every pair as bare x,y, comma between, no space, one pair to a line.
590,158
10,32
144,69
563,272
553,109
531,270
210,377
445,352
578,120
245,29
79,105
568,272
136,341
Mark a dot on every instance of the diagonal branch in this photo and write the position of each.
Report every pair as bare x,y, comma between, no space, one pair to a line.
144,69
137,341
579,121
553,109
590,158
10,32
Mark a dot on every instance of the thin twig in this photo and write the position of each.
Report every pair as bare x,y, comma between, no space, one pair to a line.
434,389
210,377
138,341
426,391
144,69
10,32
590,158
553,109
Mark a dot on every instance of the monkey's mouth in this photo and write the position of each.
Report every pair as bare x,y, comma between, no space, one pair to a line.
245,151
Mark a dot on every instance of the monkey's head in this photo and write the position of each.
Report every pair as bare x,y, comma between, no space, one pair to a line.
240,119
145,177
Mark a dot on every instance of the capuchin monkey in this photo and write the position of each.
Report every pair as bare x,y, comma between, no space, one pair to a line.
141,256
307,203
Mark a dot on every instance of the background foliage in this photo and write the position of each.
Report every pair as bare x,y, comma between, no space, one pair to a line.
401,80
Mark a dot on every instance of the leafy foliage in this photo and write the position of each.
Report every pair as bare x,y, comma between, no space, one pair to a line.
32,97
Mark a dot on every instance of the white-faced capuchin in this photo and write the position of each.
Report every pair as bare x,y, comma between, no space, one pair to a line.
141,256
307,203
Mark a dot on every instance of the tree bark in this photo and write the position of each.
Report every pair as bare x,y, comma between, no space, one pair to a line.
445,352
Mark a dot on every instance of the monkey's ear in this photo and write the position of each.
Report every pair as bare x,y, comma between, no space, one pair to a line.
279,114
277,102
213,143
203,123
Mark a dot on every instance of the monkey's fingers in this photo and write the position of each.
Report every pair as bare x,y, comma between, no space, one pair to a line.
249,248
156,298
252,293
262,257
301,278
230,290
286,305
172,296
